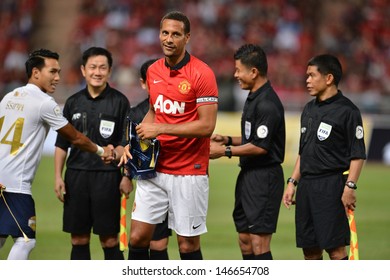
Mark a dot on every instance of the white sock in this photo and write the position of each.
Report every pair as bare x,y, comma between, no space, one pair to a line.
21,249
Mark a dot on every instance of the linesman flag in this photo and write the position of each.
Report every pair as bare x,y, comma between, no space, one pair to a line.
123,245
353,247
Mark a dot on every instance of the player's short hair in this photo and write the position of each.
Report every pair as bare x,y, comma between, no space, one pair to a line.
179,16
253,56
36,59
144,68
95,51
327,64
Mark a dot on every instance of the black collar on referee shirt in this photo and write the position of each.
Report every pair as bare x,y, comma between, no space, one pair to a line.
263,88
330,99
104,93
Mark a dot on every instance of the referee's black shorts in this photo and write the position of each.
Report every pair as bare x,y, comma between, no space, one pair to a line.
320,218
162,231
92,200
258,198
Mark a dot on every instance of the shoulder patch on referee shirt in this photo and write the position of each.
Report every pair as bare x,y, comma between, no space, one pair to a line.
323,131
262,131
359,132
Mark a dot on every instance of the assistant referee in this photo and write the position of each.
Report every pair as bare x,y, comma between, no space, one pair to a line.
331,156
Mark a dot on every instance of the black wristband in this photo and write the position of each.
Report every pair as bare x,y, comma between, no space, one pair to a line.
230,141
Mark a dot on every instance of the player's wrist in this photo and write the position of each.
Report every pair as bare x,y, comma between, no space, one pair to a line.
228,151
100,150
292,181
229,141
351,185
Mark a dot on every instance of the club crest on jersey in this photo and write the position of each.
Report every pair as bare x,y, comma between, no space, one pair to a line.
106,128
184,87
323,131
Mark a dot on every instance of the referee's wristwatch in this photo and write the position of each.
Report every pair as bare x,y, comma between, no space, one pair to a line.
228,151
351,185
292,180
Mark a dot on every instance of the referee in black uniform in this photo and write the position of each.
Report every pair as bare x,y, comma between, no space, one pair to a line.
91,188
261,147
331,156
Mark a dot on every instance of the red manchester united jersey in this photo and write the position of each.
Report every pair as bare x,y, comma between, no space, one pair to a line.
175,94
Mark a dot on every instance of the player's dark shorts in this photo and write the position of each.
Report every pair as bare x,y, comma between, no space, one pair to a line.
22,207
320,217
258,196
162,231
92,200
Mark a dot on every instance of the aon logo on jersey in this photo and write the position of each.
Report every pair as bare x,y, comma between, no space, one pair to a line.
168,106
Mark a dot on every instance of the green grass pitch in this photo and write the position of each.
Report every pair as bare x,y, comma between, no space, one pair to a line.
372,218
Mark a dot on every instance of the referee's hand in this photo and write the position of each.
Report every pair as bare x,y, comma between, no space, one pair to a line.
288,197
126,186
349,199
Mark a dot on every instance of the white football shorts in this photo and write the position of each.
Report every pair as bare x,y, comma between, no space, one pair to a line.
183,197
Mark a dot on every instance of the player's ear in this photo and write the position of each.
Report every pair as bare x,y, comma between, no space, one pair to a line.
143,84
35,73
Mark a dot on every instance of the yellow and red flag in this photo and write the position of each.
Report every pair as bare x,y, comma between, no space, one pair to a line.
353,247
123,245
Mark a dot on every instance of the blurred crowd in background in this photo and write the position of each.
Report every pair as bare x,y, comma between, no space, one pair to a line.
290,31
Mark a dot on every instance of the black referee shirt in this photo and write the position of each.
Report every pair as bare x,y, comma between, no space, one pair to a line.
331,136
263,125
102,119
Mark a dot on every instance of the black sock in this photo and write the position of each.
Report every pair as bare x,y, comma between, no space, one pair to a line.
80,252
138,253
159,255
196,255
113,253
248,257
264,256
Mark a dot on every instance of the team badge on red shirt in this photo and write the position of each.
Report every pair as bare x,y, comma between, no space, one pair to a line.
184,87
